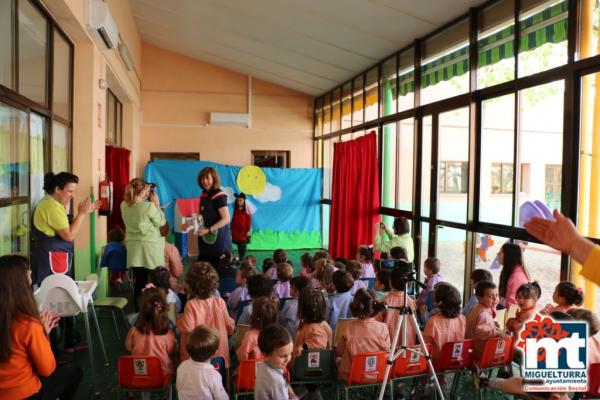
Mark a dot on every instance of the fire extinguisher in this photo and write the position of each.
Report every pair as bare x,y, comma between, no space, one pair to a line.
106,197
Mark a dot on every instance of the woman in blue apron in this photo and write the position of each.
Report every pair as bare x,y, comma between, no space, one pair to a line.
53,233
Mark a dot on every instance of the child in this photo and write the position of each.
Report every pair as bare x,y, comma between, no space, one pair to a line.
478,275
593,345
515,386
448,325
265,311
566,296
279,256
203,307
159,278
365,257
173,262
356,270
339,303
115,256
241,224
251,259
527,297
288,317
284,273
382,283
306,261
396,299
314,332
431,269
276,345
481,320
258,286
240,293
323,275
151,335
197,379
364,334
269,268
25,351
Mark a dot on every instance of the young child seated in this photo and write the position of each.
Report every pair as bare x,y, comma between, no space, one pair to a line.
251,260
566,296
481,320
151,335
356,270
284,273
527,297
363,335
339,303
265,311
593,344
382,283
323,276
275,343
269,269
365,258
515,386
396,299
159,278
258,286
431,269
322,254
288,317
314,332
114,256
279,256
306,261
478,275
197,379
240,293
204,308
173,262
448,325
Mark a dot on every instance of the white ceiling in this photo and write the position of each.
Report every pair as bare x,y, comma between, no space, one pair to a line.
307,45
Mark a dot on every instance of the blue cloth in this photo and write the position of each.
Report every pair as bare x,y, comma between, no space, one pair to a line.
288,317
470,304
114,257
339,307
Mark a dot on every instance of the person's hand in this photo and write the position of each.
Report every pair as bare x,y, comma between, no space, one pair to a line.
186,225
154,199
86,206
49,320
203,231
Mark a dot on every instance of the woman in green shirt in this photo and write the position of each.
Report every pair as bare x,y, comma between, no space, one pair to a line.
145,245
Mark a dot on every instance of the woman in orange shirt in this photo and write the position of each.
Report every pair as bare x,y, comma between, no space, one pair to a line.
27,366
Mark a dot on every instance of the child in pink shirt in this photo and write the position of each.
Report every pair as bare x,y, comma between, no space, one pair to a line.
314,332
284,273
449,324
151,335
173,262
481,320
363,335
356,270
593,345
265,311
566,296
203,307
513,273
396,299
527,297
307,266
365,258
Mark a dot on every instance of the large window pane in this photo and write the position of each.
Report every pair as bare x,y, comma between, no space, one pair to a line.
450,249
588,29
60,147
33,41
328,166
357,101
326,215
14,230
388,180
37,135
541,113
61,89
7,41
486,253
372,95
445,64
336,108
326,114
543,264
543,35
388,87
495,43
497,153
404,188
426,166
406,80
453,166
347,105
319,117
424,249
14,153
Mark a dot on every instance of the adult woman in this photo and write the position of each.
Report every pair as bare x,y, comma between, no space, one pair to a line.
143,219
214,238
513,273
27,365
399,238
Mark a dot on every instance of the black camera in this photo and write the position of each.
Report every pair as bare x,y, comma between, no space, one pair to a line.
151,191
403,266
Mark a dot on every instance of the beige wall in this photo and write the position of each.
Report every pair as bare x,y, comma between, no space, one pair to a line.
178,94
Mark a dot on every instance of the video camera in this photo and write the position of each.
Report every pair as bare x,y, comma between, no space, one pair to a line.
151,191
403,266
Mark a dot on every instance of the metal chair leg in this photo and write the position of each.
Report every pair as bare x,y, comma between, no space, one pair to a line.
112,311
88,334
99,335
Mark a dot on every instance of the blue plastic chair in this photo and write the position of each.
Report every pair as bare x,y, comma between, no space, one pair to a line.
240,308
370,282
219,364
226,286
282,301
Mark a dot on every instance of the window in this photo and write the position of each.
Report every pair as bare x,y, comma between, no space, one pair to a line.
358,101
7,62
335,110
453,176
502,178
372,95
327,114
388,178
406,134
347,105
319,117
552,186
271,159
61,91
33,57
406,80
388,87
495,42
114,119
174,156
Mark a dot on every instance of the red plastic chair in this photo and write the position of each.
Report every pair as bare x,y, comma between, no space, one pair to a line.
497,352
142,374
366,369
455,356
593,384
246,378
411,363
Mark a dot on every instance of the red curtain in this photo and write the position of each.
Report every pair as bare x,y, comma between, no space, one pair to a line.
355,195
117,170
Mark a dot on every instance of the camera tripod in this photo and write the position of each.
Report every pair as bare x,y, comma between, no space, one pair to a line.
406,316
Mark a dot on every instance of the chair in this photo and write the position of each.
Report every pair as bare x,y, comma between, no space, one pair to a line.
315,367
455,357
497,352
64,296
246,379
226,286
370,282
219,364
501,318
409,365
593,383
240,308
341,322
142,374
240,331
111,303
282,301
366,370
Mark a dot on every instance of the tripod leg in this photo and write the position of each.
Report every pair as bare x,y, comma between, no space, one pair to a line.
413,320
391,356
